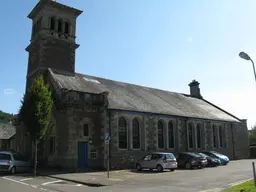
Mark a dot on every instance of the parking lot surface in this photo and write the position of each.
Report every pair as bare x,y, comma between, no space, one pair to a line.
196,180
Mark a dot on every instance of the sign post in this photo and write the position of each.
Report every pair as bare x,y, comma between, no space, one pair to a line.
254,174
107,139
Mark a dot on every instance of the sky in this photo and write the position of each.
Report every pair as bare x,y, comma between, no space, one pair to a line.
158,43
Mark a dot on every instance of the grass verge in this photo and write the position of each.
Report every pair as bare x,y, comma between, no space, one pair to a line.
247,186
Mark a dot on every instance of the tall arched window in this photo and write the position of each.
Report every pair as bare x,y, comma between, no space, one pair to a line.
66,30
198,136
160,134
59,26
135,134
122,133
221,136
34,29
52,23
214,136
190,136
170,135
39,24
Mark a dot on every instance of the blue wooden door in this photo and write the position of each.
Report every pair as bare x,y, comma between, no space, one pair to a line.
82,155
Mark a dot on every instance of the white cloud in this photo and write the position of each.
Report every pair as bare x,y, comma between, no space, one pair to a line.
190,39
241,103
9,91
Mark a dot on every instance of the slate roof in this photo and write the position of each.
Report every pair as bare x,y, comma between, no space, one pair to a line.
125,96
7,130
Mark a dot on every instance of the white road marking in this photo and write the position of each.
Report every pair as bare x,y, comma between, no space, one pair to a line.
238,182
51,182
34,186
213,190
15,181
67,185
26,179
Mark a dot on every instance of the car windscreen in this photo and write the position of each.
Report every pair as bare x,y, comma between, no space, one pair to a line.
170,156
4,156
194,155
217,154
203,155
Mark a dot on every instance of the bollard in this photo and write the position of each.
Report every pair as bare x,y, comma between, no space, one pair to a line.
254,175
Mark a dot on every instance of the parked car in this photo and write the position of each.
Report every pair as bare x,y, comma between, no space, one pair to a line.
13,162
157,160
223,159
190,160
211,161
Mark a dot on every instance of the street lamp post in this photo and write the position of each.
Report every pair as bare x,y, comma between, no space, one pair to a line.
245,56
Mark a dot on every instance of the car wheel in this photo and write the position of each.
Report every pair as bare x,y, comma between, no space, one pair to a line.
159,168
13,170
188,165
172,169
138,167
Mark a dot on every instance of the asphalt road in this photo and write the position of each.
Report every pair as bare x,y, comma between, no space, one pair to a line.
23,183
196,180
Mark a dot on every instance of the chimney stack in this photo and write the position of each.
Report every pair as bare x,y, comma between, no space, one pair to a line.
195,90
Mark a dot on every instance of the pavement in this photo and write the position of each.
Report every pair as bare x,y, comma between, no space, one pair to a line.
198,180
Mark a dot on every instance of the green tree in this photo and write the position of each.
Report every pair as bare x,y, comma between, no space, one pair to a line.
252,135
6,117
35,112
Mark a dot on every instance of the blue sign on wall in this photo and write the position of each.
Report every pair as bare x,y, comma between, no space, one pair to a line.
107,137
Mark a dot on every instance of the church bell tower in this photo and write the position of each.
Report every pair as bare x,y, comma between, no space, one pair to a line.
52,43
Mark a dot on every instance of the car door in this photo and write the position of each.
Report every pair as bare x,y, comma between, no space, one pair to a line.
153,161
17,162
146,161
182,159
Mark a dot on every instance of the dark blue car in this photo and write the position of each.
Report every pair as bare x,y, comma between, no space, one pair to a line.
224,160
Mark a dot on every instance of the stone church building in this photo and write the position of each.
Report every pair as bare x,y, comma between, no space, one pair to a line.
138,119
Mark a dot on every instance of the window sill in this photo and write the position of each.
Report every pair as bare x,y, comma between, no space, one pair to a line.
123,149
136,149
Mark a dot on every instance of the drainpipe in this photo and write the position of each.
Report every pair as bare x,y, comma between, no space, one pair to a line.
109,145
186,129
233,140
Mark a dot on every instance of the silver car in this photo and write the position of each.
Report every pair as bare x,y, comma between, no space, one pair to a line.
13,162
157,160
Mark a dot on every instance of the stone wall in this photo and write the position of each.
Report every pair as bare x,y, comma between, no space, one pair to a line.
125,158
241,141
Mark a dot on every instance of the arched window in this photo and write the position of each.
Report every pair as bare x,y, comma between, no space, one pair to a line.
214,136
52,23
39,24
66,30
122,133
190,136
160,134
221,136
59,26
170,135
198,136
135,134
34,29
